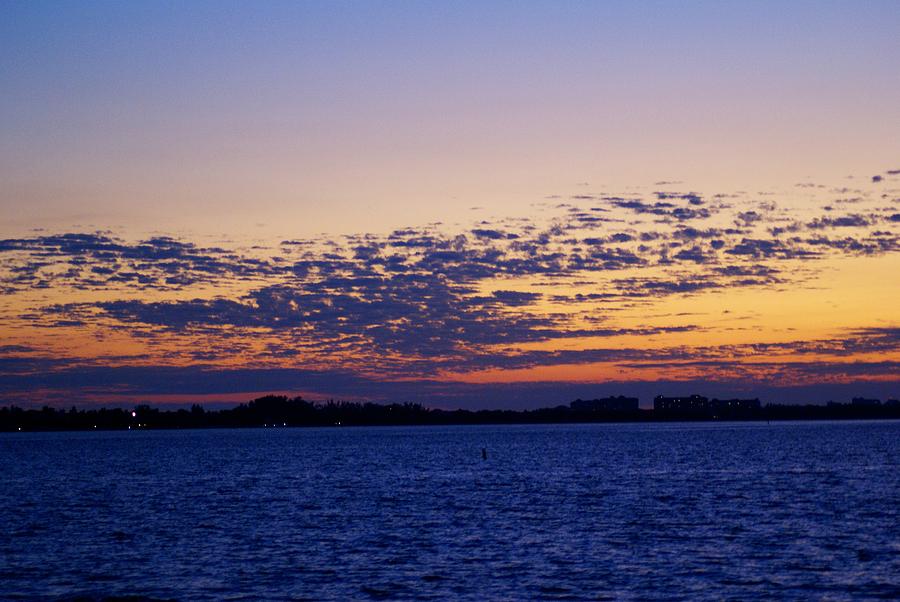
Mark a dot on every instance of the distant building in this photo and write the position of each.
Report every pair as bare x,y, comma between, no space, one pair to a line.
862,401
734,405
700,404
693,403
606,404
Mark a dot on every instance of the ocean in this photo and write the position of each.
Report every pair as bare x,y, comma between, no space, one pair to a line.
664,511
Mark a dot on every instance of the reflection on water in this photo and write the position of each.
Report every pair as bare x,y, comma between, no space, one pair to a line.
568,512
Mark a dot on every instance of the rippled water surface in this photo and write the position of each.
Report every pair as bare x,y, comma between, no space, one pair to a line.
659,511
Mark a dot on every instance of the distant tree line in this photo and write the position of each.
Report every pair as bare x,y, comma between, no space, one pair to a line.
280,411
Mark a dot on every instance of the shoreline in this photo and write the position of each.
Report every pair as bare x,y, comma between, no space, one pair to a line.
279,412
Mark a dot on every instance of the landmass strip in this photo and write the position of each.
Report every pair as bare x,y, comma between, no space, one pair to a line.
281,411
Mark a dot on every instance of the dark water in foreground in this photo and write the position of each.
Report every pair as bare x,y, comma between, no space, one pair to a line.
658,511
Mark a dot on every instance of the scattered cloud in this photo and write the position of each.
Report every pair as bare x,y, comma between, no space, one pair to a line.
426,301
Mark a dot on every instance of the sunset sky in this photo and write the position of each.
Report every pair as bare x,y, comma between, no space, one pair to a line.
464,204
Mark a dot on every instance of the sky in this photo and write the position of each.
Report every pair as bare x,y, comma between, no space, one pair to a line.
463,204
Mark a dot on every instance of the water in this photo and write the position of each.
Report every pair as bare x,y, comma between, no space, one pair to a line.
563,512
